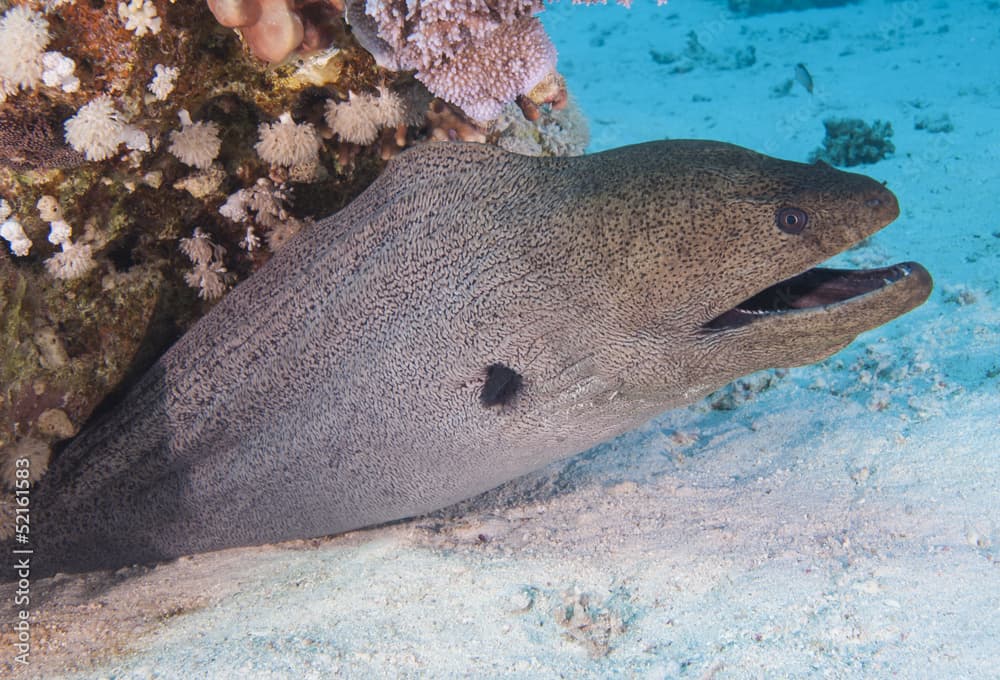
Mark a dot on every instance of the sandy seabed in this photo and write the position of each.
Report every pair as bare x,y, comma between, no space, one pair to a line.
835,521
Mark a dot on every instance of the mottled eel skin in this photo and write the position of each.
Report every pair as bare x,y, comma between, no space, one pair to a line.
471,317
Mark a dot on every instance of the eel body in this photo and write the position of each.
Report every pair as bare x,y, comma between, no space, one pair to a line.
473,316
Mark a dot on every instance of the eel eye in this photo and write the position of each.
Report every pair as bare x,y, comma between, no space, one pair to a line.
791,220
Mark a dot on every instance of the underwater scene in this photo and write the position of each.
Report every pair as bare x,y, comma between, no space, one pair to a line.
535,402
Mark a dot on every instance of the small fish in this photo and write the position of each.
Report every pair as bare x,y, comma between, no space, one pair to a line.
802,75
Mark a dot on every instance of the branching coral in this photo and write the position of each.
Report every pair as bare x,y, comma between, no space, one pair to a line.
263,205
140,17
209,275
163,81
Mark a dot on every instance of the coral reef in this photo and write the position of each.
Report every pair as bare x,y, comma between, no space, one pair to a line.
851,141
64,347
96,265
132,133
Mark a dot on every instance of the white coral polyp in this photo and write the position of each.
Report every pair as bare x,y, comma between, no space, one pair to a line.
163,82
12,232
49,208
97,130
135,139
250,242
359,119
195,144
59,72
24,35
72,262
288,143
60,232
200,248
351,121
389,109
209,278
139,16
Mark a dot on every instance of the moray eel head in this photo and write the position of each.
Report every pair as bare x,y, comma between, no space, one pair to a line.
716,267
816,311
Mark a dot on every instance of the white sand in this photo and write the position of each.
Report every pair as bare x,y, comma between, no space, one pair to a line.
840,521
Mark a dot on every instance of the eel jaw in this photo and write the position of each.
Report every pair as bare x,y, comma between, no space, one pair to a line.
898,289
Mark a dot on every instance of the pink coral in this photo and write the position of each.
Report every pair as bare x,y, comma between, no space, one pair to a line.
274,29
483,78
478,54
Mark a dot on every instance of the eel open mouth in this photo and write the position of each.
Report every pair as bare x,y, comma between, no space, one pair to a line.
812,289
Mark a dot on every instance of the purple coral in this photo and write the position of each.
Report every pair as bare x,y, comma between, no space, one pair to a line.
478,54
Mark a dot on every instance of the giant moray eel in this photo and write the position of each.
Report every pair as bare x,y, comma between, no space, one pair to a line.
471,317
